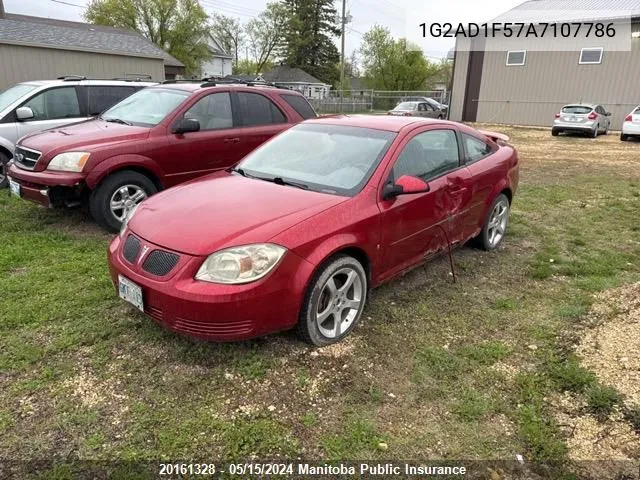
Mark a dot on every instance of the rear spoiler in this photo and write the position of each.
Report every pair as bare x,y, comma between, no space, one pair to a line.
499,138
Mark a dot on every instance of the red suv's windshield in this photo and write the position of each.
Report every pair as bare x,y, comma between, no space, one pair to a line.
148,107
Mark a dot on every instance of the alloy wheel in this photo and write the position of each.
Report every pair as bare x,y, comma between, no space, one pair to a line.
498,222
339,303
124,199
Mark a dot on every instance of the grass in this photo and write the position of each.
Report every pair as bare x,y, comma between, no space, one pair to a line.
436,371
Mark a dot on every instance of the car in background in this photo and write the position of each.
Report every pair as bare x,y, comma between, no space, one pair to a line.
434,103
586,118
631,125
415,109
158,137
298,232
30,107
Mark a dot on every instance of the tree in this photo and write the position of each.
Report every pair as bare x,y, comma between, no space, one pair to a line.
229,32
177,26
391,64
308,38
265,32
247,66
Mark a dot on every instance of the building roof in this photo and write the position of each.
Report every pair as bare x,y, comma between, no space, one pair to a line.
286,74
216,48
64,35
537,11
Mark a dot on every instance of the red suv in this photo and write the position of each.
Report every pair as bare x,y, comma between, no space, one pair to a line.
159,137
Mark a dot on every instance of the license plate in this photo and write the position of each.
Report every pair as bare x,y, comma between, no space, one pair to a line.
130,292
14,187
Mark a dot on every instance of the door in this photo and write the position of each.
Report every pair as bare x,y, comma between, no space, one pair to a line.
416,225
430,110
214,147
604,120
259,120
51,108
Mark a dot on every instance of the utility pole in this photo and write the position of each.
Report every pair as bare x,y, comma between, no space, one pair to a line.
344,22
2,16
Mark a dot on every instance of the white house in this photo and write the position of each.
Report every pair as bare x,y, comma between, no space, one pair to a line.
297,79
221,64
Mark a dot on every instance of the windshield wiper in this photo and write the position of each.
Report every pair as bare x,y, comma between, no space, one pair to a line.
116,120
281,181
238,170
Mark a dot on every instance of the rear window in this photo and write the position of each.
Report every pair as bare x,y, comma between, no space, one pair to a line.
576,109
256,109
300,105
100,98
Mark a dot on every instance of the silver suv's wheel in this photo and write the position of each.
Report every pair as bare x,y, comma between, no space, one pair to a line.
3,176
334,301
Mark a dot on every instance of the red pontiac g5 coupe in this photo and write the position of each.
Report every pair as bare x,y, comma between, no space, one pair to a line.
297,233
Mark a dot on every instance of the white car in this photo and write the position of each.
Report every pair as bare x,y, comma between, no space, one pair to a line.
631,125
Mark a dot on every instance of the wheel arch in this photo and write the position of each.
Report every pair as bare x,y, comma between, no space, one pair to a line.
135,163
6,151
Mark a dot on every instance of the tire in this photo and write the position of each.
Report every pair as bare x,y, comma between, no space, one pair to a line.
555,132
594,133
138,187
440,117
341,307
4,181
624,137
486,240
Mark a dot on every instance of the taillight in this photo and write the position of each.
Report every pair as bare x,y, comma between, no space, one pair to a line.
557,115
628,118
593,116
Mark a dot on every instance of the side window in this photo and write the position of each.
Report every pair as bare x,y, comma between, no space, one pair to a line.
600,110
213,112
300,105
476,149
101,98
256,109
428,155
54,104
422,107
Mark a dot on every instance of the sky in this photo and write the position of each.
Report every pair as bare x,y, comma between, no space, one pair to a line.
393,14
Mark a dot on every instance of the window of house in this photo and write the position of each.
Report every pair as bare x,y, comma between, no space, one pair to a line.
428,155
516,58
213,112
476,148
55,103
257,109
591,56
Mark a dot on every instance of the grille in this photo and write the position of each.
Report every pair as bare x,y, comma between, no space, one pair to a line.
26,159
160,262
131,249
221,329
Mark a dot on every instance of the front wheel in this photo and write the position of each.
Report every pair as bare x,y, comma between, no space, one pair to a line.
496,223
117,195
4,181
334,302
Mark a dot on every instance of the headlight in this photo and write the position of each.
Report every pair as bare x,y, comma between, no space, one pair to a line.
69,161
128,217
240,264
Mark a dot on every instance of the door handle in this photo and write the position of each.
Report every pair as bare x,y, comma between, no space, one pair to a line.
232,140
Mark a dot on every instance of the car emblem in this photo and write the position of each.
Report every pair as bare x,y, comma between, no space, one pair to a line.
19,157
145,249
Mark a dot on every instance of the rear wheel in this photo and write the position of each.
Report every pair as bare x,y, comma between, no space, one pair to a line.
334,302
624,137
4,181
496,223
110,203
594,133
555,132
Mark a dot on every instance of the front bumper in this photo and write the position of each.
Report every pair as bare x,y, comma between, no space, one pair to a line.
629,128
46,188
214,311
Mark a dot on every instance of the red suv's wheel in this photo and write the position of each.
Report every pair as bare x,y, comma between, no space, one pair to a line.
117,195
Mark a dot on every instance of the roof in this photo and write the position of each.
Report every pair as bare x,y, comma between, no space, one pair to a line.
391,123
216,48
286,74
537,11
64,35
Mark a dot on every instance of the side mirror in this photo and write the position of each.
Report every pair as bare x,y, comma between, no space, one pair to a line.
405,185
186,125
24,113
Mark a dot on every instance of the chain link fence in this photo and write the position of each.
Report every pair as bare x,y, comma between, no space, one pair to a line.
371,101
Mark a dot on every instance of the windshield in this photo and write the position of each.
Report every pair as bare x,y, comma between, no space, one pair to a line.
406,106
578,109
327,158
148,107
14,93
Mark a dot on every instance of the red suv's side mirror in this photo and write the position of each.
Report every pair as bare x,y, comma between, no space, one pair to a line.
186,125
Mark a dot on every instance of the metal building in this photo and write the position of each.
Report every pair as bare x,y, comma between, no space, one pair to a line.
34,48
524,84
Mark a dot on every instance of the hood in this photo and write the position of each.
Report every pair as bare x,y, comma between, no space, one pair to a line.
85,135
224,210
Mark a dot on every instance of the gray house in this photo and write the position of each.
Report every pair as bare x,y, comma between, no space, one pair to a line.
295,78
34,48
523,81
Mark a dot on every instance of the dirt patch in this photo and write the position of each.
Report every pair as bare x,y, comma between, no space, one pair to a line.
612,348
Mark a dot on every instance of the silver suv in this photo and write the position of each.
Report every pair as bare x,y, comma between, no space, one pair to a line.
30,107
